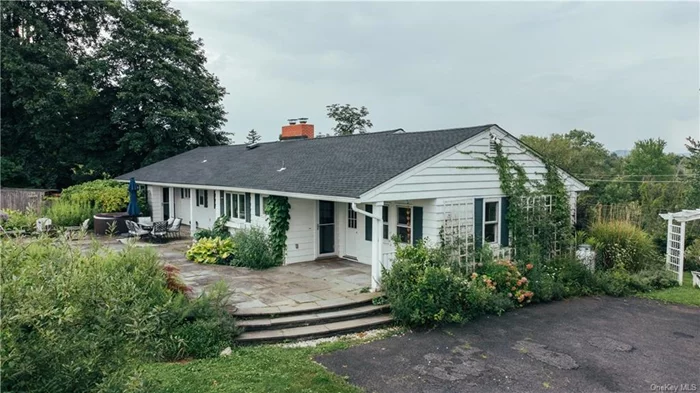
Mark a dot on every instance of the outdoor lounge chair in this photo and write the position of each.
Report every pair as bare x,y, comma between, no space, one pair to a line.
174,228
160,230
145,222
43,225
135,230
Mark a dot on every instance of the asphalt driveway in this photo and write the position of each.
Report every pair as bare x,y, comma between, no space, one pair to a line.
582,345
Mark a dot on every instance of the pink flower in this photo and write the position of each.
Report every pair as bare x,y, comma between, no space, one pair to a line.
529,266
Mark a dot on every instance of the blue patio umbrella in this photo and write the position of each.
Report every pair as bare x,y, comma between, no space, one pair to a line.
133,209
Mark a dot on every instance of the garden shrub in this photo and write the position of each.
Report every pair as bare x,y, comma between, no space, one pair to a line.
106,195
507,279
71,319
212,250
424,290
253,249
619,282
692,256
621,244
20,221
68,213
424,294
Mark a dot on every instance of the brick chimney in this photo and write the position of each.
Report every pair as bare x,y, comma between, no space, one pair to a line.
302,130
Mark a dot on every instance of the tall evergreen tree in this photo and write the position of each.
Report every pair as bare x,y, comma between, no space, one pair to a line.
252,137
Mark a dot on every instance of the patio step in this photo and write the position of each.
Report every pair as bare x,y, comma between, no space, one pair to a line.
314,318
357,300
314,331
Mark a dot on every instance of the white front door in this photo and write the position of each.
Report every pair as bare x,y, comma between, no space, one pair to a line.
352,234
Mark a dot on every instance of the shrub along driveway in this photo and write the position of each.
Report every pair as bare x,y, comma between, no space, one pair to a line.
581,345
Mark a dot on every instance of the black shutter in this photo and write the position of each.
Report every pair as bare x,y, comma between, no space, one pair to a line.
196,197
478,222
417,224
368,223
257,205
221,203
505,241
206,198
247,207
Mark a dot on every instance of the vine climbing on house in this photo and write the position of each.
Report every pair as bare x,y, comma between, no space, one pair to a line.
277,211
538,211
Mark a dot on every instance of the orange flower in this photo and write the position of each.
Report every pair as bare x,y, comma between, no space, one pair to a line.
529,266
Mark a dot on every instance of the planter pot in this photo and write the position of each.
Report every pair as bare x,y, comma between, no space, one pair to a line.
102,222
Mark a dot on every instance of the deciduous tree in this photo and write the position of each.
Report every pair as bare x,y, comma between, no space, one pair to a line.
349,119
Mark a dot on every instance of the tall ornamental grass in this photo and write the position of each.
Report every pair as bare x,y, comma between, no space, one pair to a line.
72,320
623,245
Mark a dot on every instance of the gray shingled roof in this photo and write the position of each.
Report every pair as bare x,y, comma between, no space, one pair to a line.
339,166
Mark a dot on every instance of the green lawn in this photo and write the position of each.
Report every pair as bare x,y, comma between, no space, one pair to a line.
683,295
252,369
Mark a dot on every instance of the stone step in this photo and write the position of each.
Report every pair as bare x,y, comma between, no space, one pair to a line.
357,300
314,318
314,331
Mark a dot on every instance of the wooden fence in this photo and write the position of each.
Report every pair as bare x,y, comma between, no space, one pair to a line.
23,198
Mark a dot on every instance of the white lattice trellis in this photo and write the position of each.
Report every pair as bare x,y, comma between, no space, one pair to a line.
458,230
675,242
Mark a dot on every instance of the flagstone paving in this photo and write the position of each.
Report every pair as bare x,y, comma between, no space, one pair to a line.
320,283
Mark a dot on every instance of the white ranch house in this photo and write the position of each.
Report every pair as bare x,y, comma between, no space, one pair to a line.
349,195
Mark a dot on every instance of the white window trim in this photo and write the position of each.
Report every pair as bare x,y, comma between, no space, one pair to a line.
409,226
498,222
240,207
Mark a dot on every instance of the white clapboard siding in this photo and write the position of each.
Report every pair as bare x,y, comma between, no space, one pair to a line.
463,172
301,244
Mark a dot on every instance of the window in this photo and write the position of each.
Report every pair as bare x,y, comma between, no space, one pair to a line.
235,205
202,197
385,221
352,217
264,203
241,206
184,193
491,217
403,225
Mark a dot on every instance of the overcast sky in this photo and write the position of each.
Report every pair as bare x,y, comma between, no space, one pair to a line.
624,71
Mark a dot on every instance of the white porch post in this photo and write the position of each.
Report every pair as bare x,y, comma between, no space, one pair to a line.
192,225
171,204
377,247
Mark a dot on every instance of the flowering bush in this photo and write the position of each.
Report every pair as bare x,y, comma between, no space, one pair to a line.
505,277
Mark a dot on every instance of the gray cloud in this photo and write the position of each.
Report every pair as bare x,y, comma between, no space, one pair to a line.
624,71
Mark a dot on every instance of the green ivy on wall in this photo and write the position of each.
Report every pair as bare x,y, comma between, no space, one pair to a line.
537,233
277,211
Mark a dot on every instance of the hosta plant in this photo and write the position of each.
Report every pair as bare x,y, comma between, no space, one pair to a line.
212,251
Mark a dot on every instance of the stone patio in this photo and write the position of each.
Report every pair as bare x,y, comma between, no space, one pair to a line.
320,283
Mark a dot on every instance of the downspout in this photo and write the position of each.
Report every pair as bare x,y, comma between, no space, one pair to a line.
376,244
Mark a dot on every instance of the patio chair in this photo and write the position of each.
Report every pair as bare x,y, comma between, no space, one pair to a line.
175,228
135,230
43,225
160,230
145,222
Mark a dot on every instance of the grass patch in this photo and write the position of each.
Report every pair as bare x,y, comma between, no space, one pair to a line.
265,368
685,294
